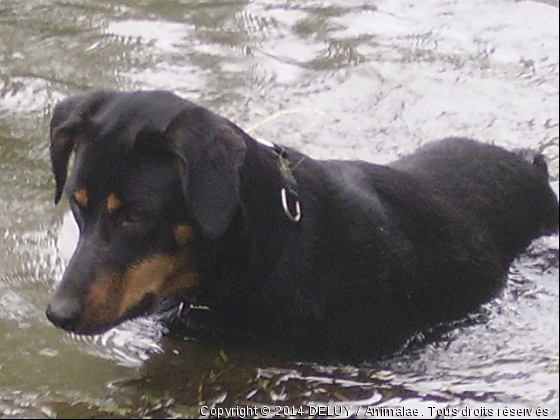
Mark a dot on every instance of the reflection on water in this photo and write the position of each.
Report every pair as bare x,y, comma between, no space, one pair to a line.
333,78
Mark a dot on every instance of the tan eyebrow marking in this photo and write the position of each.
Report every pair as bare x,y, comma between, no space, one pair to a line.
183,234
61,140
81,196
113,203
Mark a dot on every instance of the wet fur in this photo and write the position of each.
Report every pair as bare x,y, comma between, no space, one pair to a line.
173,200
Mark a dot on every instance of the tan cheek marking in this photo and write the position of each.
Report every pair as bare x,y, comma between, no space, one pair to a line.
183,234
81,196
102,302
113,294
160,275
184,277
141,279
181,282
113,203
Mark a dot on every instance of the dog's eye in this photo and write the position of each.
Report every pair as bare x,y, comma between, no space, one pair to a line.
134,217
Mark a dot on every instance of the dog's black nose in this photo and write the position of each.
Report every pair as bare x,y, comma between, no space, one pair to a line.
65,313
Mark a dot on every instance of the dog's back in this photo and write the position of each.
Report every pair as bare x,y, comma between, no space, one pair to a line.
508,192
422,241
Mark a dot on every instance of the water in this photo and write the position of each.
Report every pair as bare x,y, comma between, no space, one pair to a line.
367,79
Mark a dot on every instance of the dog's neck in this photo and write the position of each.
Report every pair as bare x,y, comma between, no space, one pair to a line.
267,219
288,193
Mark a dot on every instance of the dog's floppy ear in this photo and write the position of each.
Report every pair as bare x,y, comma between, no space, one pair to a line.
211,151
70,115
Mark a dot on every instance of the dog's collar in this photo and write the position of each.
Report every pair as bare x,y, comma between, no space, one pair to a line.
288,193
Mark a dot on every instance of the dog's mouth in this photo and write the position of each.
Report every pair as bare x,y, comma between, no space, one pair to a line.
115,297
145,307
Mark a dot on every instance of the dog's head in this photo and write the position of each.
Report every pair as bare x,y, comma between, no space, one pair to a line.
152,177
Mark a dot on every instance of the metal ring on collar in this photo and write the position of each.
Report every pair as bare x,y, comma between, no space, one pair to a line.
293,217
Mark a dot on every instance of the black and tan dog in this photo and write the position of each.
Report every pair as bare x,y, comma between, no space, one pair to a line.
340,258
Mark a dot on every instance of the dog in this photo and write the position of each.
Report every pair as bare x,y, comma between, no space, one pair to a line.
309,258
